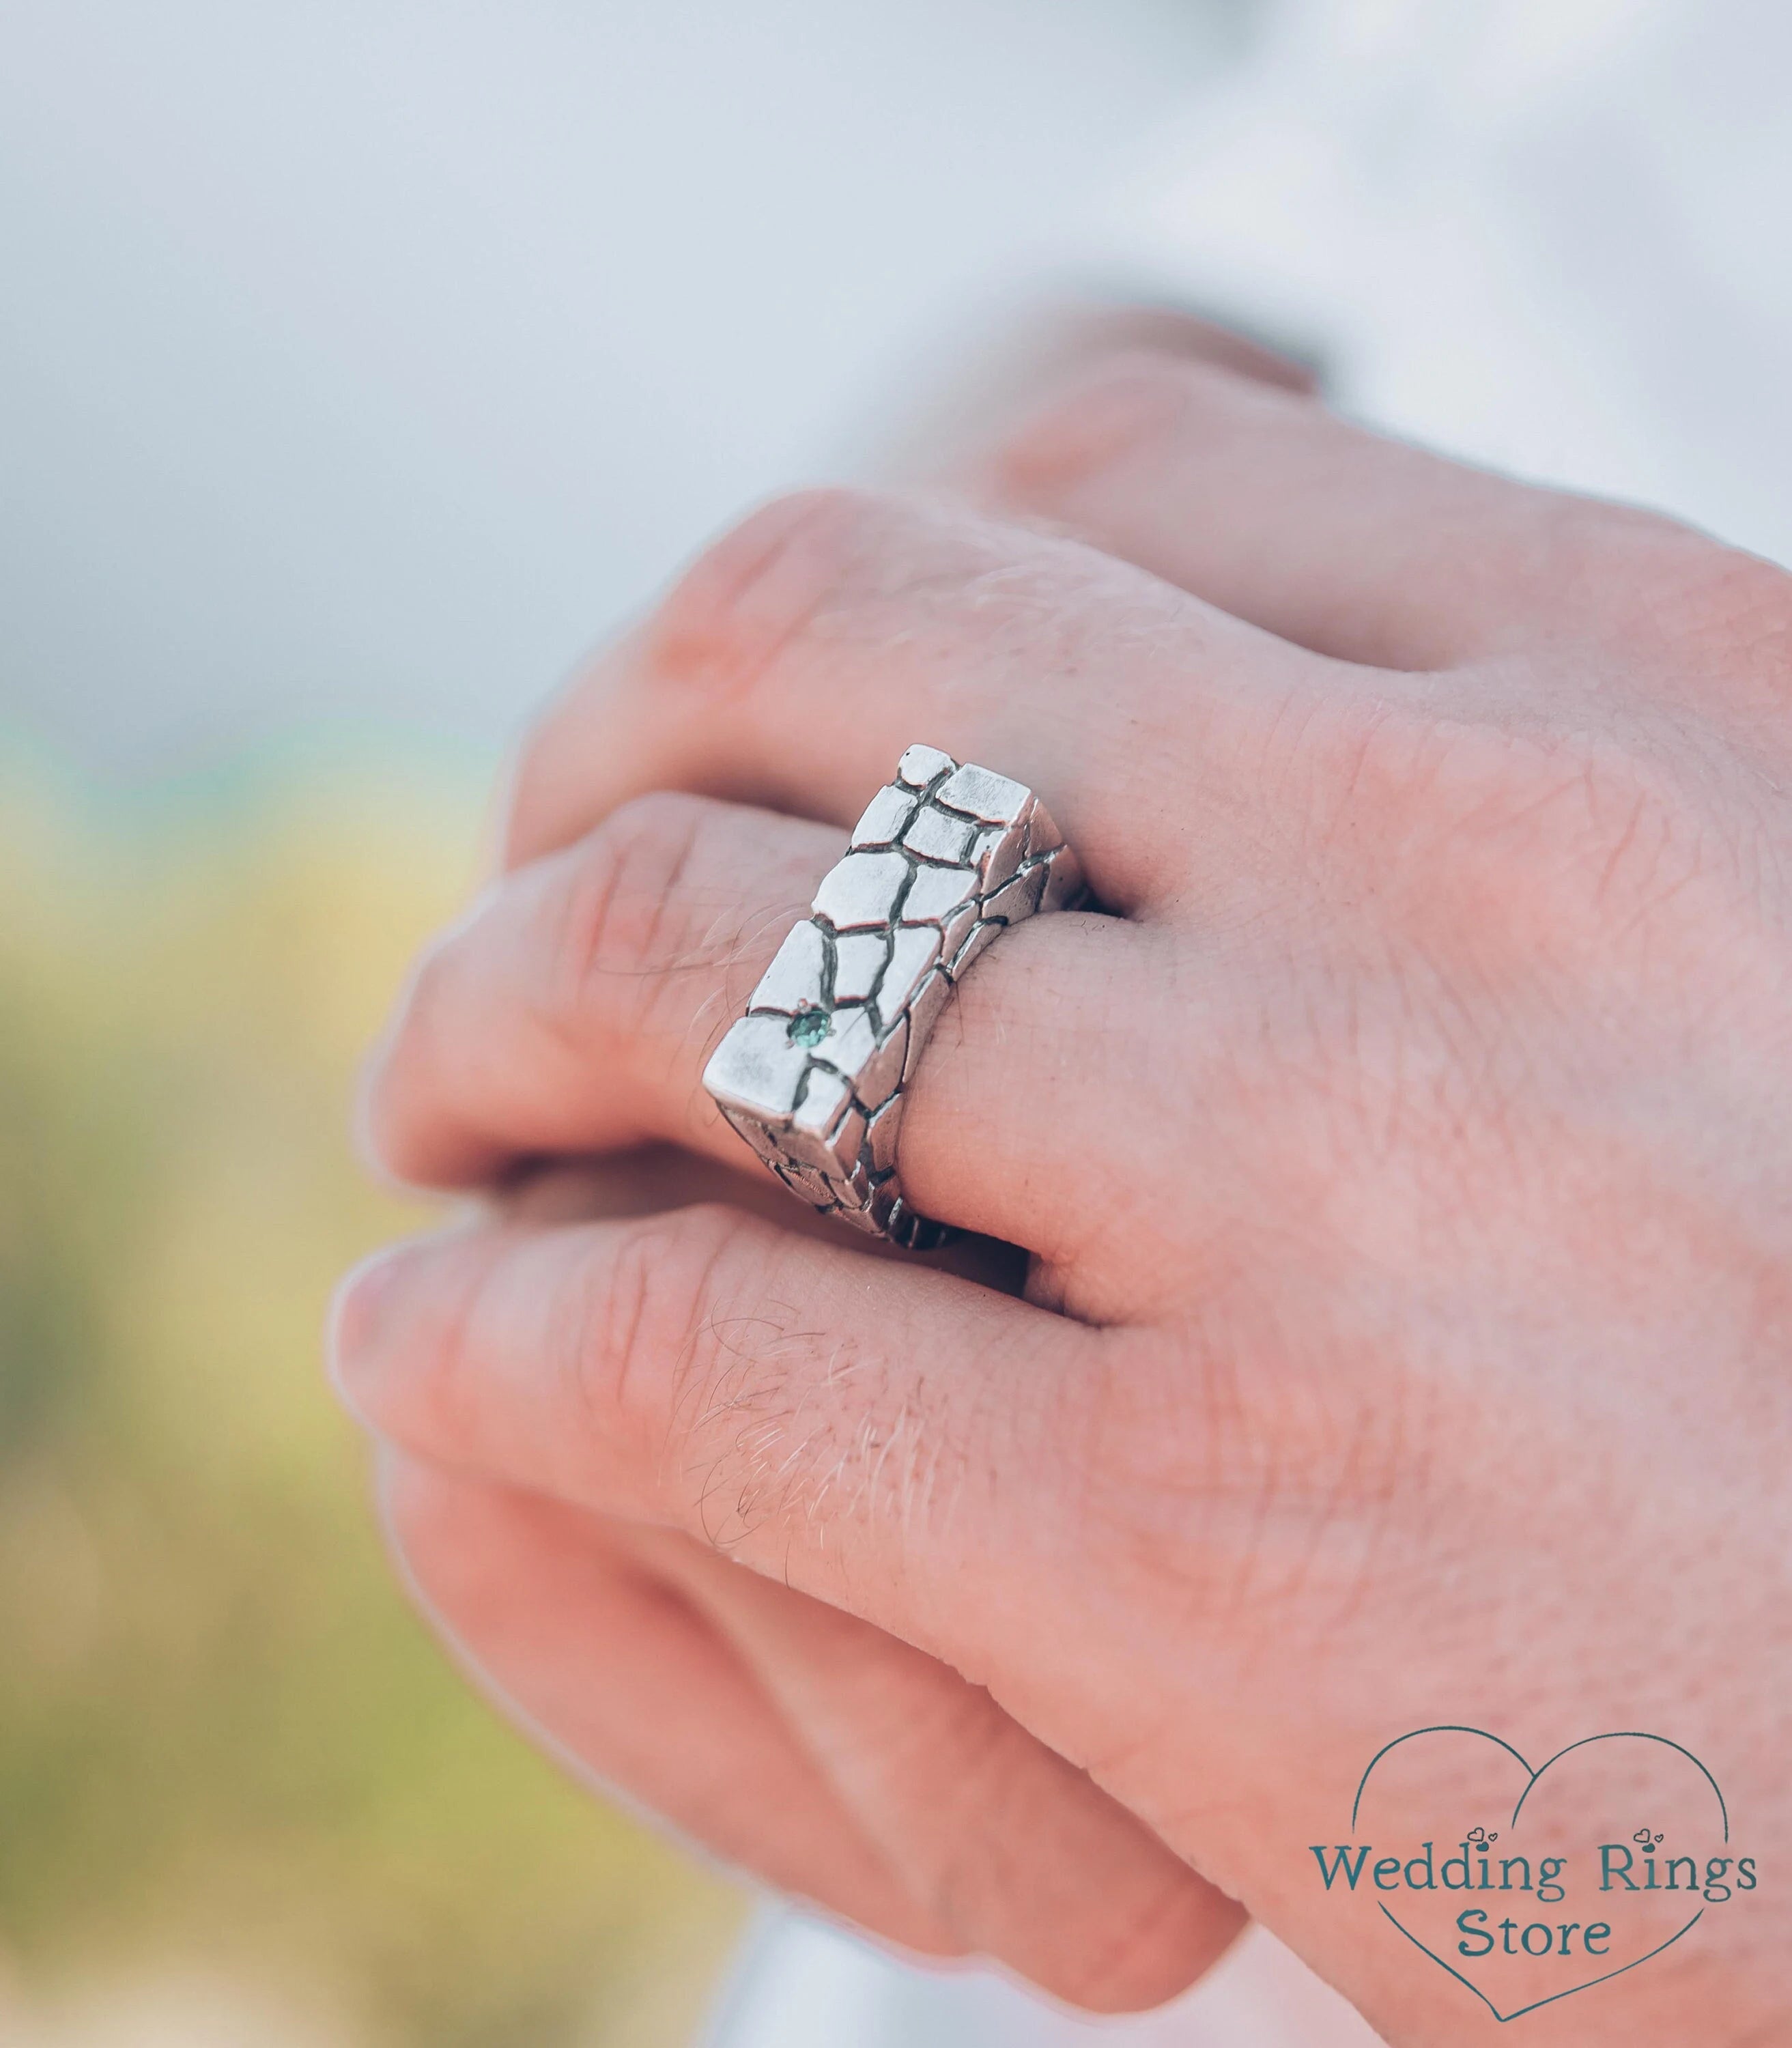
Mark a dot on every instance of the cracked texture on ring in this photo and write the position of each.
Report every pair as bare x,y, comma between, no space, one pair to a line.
814,1076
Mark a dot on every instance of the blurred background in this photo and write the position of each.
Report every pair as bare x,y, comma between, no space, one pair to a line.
360,366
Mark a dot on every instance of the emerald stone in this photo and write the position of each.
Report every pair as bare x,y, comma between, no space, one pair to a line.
809,1027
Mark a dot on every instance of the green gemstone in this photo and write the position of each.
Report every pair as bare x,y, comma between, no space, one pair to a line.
809,1027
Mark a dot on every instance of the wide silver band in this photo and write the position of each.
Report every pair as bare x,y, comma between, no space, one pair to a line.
814,1076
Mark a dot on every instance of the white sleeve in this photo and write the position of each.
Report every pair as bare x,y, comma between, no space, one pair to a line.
1542,235
803,1984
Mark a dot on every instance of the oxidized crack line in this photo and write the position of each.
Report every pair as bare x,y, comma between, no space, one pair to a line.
815,1079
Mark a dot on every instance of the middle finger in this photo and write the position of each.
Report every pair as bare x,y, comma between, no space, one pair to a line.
799,657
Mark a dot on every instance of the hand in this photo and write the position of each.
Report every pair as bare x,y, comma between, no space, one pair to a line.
1405,1169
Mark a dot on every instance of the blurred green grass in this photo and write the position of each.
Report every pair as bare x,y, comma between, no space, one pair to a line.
228,1754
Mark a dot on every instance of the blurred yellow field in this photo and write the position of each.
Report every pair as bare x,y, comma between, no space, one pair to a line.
242,1796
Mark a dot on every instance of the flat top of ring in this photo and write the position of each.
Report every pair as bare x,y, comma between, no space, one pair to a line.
943,858
946,849
974,792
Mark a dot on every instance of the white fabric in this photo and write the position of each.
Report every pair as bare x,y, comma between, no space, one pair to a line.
1550,235
802,1983
1547,234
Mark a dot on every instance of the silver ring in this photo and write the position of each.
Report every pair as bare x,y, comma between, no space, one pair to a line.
815,1076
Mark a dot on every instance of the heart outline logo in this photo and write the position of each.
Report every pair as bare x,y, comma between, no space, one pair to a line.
1532,1777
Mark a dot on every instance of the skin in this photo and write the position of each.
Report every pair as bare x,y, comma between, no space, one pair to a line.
1402,1168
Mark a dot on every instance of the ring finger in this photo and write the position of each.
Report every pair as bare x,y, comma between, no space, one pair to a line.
572,1012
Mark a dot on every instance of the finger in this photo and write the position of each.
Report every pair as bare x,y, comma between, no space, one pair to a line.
797,660
1014,1849
575,1010
1278,511
571,1009
994,389
623,1680
862,1427
800,1742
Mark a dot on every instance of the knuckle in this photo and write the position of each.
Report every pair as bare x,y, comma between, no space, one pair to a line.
704,1340
1529,845
1120,404
1664,587
1216,1485
1737,602
629,908
756,589
1578,560
1603,847
637,1332
1632,880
